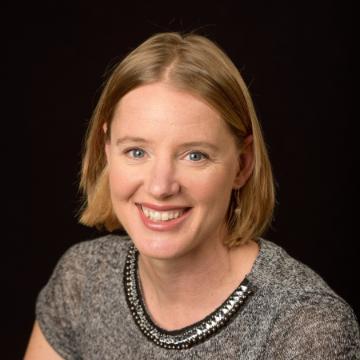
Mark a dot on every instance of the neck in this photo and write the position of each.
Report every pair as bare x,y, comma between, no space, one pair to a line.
194,284
179,280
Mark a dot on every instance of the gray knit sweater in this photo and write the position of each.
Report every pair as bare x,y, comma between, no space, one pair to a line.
292,313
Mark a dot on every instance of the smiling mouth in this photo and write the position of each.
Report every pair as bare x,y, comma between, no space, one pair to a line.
162,216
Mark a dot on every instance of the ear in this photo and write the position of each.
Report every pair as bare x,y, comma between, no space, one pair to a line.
246,163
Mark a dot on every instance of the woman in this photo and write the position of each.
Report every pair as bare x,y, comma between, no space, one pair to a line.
175,157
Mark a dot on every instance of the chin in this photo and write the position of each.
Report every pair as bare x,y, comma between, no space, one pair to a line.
161,246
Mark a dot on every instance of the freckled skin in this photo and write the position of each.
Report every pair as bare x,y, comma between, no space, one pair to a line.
165,173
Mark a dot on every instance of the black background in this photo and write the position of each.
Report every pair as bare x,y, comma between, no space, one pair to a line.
295,57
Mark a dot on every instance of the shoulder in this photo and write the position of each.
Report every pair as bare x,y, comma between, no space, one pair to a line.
289,281
275,268
305,315
101,245
105,249
88,260
292,286
78,275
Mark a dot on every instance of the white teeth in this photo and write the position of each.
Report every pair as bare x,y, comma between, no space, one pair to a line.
161,215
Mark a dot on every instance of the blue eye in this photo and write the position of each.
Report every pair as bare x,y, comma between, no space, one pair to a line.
136,153
197,156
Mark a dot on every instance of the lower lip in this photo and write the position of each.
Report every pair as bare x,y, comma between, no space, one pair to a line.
162,225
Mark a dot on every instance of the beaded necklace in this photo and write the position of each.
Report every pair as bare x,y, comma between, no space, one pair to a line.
190,335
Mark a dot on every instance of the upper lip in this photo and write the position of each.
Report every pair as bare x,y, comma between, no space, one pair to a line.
162,207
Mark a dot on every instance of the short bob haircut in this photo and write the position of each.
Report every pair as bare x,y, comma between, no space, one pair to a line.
193,64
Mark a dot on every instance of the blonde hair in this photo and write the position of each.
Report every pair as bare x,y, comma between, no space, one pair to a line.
194,64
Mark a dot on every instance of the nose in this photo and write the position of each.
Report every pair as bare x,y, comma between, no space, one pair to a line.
161,180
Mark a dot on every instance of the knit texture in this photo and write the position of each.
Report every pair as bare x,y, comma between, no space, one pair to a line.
292,313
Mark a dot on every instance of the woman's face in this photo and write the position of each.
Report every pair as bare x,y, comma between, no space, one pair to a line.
172,166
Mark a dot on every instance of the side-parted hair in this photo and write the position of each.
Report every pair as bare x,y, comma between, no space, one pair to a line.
194,64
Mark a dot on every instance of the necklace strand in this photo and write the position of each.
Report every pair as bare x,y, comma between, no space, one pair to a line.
190,335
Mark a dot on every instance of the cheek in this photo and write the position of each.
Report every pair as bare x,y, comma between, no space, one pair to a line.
122,183
213,187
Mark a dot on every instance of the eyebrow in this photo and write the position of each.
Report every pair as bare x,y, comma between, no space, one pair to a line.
136,139
125,139
200,144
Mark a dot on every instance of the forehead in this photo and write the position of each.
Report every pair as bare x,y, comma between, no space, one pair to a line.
163,110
